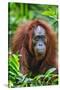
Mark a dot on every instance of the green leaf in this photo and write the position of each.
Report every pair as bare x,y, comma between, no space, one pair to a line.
10,84
50,71
13,69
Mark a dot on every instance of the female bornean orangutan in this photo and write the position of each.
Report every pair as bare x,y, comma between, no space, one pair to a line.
37,43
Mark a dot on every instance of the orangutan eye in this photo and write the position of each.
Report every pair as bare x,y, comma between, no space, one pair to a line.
37,38
42,37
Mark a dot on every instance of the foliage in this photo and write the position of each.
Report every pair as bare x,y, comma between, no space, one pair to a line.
13,68
16,79
22,12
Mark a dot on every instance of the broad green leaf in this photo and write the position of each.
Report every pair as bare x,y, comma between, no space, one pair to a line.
47,74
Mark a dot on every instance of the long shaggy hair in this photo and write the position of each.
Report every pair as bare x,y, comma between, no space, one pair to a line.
22,42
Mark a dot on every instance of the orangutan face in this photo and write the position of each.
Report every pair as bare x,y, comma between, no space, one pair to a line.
39,42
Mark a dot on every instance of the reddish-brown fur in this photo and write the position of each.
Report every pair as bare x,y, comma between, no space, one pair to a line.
22,42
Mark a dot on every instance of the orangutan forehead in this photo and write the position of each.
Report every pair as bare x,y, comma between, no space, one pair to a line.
39,30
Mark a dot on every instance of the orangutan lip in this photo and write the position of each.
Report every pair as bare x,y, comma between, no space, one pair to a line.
40,51
39,54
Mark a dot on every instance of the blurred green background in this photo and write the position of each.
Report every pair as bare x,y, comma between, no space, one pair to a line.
21,12
17,14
